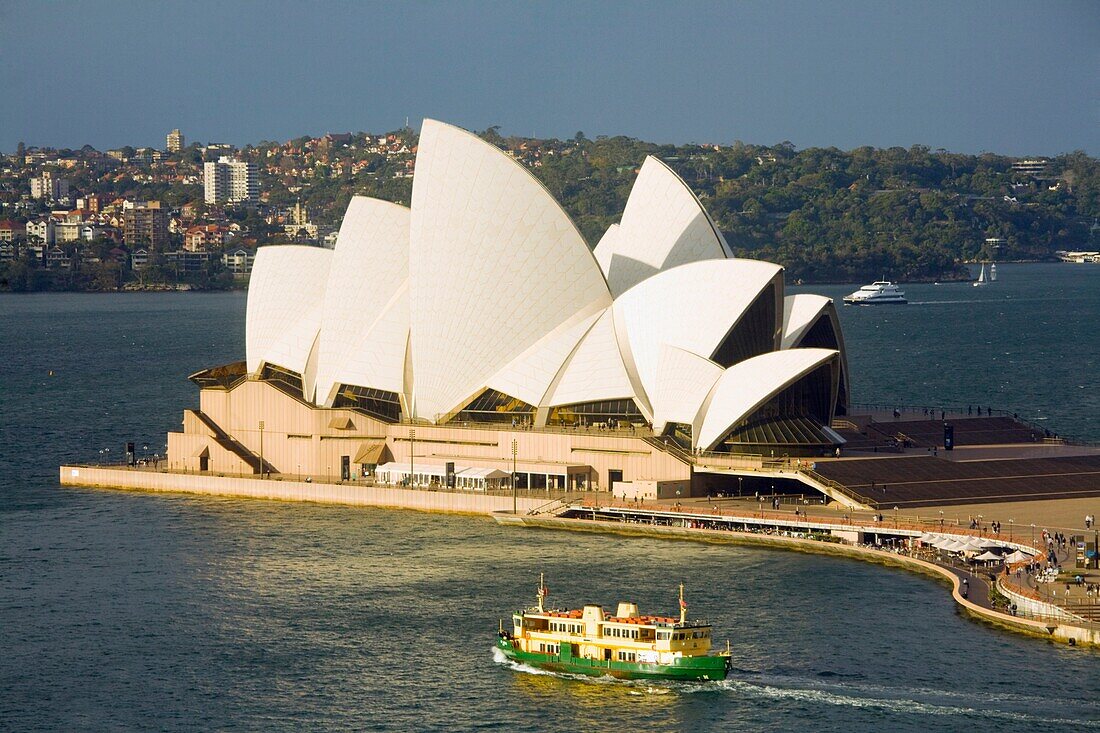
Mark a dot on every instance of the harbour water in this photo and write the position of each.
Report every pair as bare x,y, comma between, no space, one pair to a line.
124,611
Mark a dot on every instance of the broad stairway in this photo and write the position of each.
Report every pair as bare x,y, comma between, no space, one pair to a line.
234,446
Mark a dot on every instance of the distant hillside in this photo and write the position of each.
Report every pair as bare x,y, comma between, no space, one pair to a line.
825,214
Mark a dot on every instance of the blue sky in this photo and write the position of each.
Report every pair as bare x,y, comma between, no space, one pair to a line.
1010,77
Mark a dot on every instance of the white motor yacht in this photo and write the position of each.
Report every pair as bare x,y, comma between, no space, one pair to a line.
877,293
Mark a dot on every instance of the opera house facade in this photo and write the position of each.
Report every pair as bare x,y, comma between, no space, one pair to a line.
474,339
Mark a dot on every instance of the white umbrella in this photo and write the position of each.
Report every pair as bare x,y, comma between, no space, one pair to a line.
974,545
953,546
987,555
1018,556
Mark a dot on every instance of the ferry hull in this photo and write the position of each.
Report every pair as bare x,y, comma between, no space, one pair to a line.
703,668
875,301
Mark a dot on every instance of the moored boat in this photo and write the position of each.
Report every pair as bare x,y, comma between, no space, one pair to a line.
626,645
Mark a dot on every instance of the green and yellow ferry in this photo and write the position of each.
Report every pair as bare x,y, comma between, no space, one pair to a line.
627,645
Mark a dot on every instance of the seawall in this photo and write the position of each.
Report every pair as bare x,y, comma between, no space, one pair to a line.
350,494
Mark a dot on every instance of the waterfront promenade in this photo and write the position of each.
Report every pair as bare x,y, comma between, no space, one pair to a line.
983,591
885,538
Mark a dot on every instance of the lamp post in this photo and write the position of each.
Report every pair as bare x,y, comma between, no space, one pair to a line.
262,471
941,520
1011,522
515,509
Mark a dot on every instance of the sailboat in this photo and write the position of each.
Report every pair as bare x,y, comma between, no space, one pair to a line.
981,277
993,273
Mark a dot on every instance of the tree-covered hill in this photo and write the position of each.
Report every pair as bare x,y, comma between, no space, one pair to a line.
833,215
825,214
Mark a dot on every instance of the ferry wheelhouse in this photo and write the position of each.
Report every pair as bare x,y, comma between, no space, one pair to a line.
626,645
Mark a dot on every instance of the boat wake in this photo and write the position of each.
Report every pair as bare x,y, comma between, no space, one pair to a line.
900,700
905,701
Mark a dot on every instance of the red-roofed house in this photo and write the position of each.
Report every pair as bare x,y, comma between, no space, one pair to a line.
9,230
203,238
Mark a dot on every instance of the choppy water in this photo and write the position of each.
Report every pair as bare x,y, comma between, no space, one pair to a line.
135,611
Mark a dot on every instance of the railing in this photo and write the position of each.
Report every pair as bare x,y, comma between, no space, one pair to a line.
633,431
849,519
1078,613
550,506
838,487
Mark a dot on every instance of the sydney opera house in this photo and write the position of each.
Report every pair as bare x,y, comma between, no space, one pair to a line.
474,339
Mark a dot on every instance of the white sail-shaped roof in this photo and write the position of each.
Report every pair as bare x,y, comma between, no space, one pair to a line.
749,384
285,299
605,248
800,312
684,380
692,306
595,370
379,362
529,375
366,311
485,283
496,265
663,225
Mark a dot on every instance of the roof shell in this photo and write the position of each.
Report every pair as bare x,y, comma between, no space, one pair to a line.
745,386
605,248
595,370
663,225
285,301
365,322
528,376
693,307
496,265
684,380
800,312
